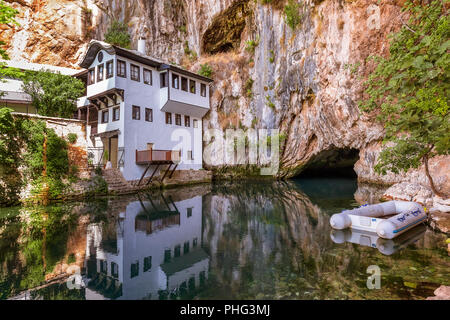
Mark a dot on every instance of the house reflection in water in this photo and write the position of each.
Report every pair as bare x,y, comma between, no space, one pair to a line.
152,251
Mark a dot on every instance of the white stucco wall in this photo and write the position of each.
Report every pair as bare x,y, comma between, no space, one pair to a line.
136,134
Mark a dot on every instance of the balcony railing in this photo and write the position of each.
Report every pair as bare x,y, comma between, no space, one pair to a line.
157,156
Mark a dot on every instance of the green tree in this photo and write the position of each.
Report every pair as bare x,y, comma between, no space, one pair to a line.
53,94
7,17
117,34
408,91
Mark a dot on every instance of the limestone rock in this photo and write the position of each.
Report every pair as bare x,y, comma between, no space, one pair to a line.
440,204
441,293
410,192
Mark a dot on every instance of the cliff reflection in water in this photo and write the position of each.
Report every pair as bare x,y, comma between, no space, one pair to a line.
261,240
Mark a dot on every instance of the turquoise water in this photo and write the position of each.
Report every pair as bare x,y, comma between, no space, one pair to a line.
248,240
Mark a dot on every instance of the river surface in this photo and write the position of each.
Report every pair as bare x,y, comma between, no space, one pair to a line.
248,240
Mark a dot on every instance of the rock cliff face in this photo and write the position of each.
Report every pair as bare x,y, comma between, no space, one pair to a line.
305,81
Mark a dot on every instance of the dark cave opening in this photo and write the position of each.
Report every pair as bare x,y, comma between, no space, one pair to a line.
332,163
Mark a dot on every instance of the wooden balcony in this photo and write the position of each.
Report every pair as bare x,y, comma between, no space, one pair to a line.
157,157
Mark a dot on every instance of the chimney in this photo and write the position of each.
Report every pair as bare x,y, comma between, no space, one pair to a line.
142,45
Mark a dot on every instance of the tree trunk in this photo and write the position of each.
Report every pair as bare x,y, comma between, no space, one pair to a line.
427,172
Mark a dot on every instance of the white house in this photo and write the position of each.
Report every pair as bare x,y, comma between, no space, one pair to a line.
145,113
154,249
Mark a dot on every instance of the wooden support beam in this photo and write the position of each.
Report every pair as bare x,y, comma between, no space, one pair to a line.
165,173
143,175
151,177
171,174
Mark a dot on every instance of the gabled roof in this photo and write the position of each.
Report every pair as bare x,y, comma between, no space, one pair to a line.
95,46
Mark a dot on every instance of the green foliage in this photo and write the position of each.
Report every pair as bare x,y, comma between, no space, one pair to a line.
249,87
270,104
117,34
409,90
205,70
72,138
292,12
10,151
7,17
251,45
57,167
53,94
272,56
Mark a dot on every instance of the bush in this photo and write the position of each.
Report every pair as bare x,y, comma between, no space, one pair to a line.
117,34
72,137
292,12
205,70
251,45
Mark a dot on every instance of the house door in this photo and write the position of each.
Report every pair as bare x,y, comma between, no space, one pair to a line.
114,150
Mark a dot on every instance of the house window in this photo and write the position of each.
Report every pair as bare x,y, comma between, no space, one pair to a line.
184,84
189,155
100,69
134,269
148,77
136,113
163,79
177,251
135,73
103,266
195,123
148,115
109,69
100,56
114,270
147,263
202,277
116,114
121,68
175,81
178,119
187,121
105,116
91,77
203,90
167,255
194,243
189,212
192,86
191,284
168,118
186,247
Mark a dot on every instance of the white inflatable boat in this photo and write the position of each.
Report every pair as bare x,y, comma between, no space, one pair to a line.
374,218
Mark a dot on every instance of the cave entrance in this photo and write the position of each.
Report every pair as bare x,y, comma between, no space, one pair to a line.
333,162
